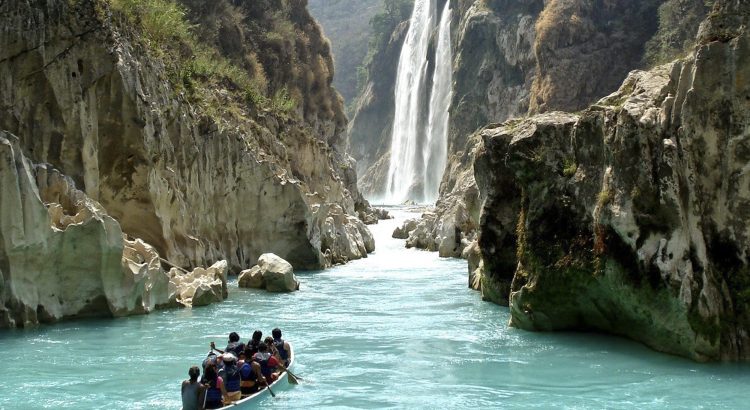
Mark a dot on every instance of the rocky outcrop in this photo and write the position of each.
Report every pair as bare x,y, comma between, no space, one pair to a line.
200,287
142,266
342,237
271,273
251,278
631,216
402,232
84,93
515,58
61,255
585,48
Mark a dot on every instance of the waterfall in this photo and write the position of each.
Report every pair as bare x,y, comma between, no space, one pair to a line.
418,142
435,150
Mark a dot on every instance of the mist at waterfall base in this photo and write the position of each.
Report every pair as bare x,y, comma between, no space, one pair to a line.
399,329
420,124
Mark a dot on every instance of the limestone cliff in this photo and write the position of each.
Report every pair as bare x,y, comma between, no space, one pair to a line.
202,137
631,217
515,58
85,93
60,253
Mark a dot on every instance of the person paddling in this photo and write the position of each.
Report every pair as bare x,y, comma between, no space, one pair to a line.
192,391
231,376
234,346
252,378
267,362
281,345
251,347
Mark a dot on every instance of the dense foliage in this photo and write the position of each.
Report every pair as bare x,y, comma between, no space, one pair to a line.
382,25
678,24
196,67
345,25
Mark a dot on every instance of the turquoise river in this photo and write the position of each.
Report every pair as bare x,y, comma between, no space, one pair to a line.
399,329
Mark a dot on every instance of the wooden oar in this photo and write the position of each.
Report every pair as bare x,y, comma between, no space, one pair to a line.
292,378
268,386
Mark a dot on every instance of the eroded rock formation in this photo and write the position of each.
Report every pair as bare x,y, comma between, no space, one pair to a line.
200,162
200,287
515,58
631,216
271,273
66,259
83,93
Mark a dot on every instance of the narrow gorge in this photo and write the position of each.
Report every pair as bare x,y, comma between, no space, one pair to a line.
523,202
631,245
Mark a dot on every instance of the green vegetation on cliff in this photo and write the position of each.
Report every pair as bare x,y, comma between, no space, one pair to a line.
227,56
194,67
678,24
345,24
382,26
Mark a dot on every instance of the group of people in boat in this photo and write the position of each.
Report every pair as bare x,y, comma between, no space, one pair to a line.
238,371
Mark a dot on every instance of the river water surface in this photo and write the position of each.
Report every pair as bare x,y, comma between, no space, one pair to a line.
399,329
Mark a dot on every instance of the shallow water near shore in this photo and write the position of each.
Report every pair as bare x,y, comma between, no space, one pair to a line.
399,329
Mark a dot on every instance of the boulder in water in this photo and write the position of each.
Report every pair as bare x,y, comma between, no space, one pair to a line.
277,273
252,278
201,286
404,230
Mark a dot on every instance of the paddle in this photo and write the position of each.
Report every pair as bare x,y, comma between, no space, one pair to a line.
268,386
292,378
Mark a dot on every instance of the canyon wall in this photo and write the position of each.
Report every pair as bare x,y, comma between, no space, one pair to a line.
210,143
516,58
629,217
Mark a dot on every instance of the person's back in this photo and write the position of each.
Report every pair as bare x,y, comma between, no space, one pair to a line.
191,390
231,376
234,346
251,378
251,347
214,389
266,361
281,346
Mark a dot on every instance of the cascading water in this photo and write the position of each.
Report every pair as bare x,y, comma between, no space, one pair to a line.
435,151
419,137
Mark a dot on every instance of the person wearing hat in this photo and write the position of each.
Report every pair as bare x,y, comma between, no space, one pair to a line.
192,390
231,376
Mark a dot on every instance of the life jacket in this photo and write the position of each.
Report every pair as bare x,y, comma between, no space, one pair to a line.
262,359
235,348
231,378
251,348
213,396
249,380
279,343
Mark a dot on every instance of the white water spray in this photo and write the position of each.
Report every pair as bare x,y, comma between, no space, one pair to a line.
435,150
418,145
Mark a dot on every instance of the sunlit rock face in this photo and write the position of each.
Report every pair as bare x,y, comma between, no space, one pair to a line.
271,273
514,58
200,287
61,255
630,217
83,94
